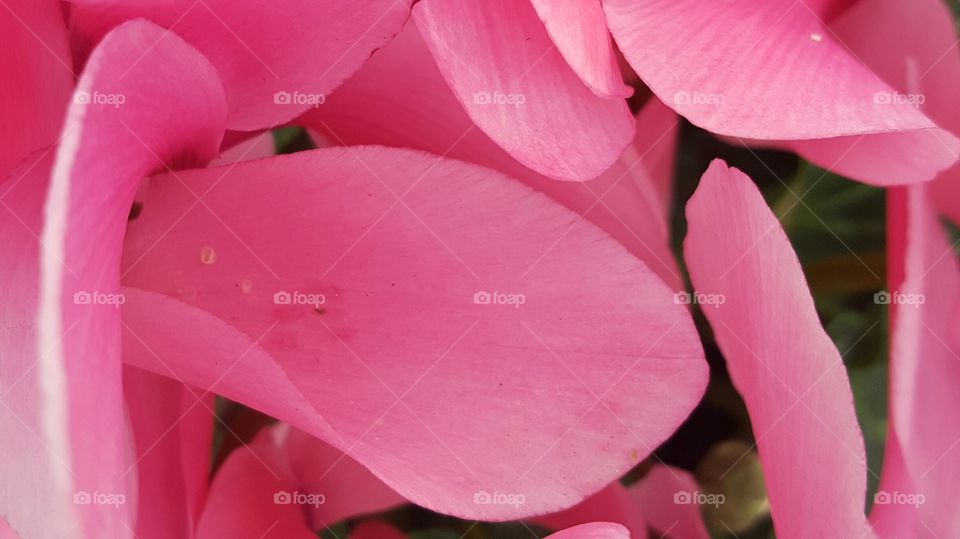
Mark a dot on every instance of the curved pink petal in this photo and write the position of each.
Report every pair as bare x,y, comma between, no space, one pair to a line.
387,298
254,494
35,78
318,467
275,63
594,530
922,64
579,30
173,432
612,504
132,114
924,365
781,360
765,82
400,99
516,86
664,496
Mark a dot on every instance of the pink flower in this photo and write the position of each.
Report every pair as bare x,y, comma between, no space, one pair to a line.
321,288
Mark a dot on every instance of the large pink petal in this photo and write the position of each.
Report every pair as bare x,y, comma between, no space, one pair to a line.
414,377
273,61
664,496
35,78
133,114
253,495
781,360
612,504
516,86
594,530
173,433
922,63
765,81
579,30
924,365
400,99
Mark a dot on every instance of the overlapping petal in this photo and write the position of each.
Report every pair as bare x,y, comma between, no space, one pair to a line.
400,99
140,106
425,329
516,86
781,360
593,530
274,62
765,82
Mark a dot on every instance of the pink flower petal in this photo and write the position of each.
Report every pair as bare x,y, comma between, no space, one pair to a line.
594,530
516,86
663,495
922,64
400,99
275,63
133,113
612,504
765,82
416,377
373,529
35,78
781,360
252,495
579,30
924,365
173,432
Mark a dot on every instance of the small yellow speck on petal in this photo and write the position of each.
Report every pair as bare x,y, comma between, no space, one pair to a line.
816,38
208,255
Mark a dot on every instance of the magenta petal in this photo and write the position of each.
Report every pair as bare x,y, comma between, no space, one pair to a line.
594,530
35,78
612,504
657,495
765,82
579,30
924,366
275,62
373,529
387,332
400,99
115,133
516,86
781,360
